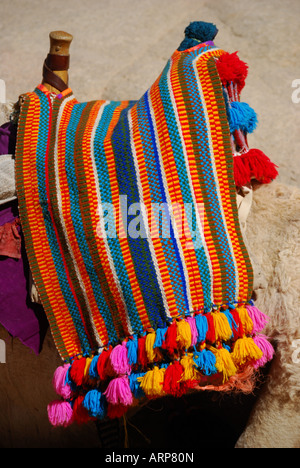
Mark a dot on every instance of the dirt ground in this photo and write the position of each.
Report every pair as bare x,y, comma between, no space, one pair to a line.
119,49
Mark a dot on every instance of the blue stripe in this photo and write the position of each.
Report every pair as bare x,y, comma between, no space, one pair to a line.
139,248
184,306
59,265
205,160
184,182
106,197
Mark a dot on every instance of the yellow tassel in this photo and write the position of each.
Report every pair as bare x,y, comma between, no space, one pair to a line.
222,327
246,350
152,382
86,369
149,345
246,320
224,363
184,334
188,364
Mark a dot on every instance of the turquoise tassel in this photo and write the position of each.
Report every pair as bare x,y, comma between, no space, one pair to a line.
132,347
96,404
135,385
242,116
205,361
93,372
160,337
202,327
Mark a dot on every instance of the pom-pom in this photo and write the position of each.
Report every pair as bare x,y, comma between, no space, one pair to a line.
202,327
211,333
184,334
245,350
119,360
242,116
60,413
192,323
205,361
142,353
198,32
59,382
132,347
254,164
149,346
95,403
160,337
93,371
259,319
237,327
232,70
190,375
103,364
172,382
222,327
267,349
76,371
245,320
118,392
135,385
224,363
152,382
170,343
80,413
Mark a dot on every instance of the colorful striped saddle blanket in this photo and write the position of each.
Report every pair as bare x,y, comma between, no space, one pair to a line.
131,226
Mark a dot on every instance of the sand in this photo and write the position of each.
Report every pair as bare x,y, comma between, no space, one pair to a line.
120,47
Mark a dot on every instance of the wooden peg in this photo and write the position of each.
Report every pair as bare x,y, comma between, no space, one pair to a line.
55,71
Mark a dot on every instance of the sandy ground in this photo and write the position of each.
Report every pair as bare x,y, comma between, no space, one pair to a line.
121,46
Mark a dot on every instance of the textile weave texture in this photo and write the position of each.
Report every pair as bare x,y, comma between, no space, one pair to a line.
106,285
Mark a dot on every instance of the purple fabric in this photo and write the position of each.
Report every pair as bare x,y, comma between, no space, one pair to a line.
8,135
21,318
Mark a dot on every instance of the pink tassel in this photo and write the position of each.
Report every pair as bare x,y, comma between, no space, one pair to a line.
118,392
60,413
259,319
119,360
59,379
192,322
262,342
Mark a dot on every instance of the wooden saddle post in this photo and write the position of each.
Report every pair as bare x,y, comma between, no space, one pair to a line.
56,65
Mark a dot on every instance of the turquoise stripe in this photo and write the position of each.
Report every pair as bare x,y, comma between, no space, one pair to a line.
106,198
185,188
51,235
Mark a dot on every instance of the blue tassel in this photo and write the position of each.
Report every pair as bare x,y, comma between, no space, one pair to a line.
205,361
93,372
242,116
198,32
132,347
96,404
160,337
135,385
202,327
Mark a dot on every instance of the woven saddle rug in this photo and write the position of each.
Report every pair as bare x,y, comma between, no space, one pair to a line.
131,226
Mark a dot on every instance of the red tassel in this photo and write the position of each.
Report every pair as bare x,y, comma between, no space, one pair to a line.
172,382
80,413
142,354
103,365
77,371
254,165
211,334
232,69
238,331
170,343
116,411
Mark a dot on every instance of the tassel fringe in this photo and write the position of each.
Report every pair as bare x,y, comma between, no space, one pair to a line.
187,354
